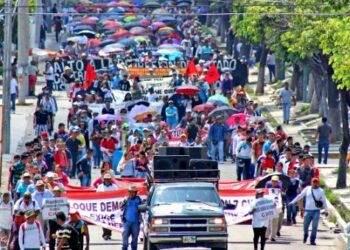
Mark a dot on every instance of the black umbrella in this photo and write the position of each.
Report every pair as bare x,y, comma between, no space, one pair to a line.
283,178
144,103
87,33
223,110
131,25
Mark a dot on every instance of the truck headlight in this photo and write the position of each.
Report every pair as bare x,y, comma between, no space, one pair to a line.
217,221
159,221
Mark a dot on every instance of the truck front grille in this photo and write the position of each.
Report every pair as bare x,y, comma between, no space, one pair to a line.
188,229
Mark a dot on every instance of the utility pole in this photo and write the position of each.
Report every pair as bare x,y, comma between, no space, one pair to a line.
6,84
23,49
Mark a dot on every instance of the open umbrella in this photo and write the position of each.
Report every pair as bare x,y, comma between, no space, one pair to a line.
132,105
142,115
139,111
187,90
140,39
218,100
87,33
120,4
151,5
90,20
82,27
131,25
128,42
183,4
113,48
205,107
116,10
121,34
139,31
106,42
160,11
168,20
108,117
171,46
283,178
157,25
145,22
223,110
94,42
237,119
111,25
165,28
129,19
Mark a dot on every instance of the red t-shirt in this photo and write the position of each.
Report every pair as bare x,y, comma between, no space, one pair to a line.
109,143
267,163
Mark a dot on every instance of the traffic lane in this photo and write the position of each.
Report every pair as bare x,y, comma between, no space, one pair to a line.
240,237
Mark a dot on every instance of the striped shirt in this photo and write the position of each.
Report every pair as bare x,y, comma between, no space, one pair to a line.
17,171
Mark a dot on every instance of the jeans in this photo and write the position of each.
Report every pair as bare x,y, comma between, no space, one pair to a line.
172,125
286,111
311,216
218,147
323,143
97,154
49,85
74,166
244,169
13,101
133,229
271,71
291,210
85,181
259,232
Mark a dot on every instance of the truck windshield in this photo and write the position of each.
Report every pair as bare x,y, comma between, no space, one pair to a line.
168,195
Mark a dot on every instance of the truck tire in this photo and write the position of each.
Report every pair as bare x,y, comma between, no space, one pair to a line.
147,245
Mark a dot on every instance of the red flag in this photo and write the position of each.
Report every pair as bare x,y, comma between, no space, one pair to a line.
90,76
212,75
191,69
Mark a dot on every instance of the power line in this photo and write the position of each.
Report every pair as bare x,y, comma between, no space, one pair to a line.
318,14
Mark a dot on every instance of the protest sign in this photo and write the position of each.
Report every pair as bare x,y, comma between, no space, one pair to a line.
134,66
78,67
53,205
103,208
5,218
265,209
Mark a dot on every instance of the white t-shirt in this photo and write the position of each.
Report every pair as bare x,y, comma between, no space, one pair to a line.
152,97
49,74
14,86
33,236
20,205
309,200
256,223
102,187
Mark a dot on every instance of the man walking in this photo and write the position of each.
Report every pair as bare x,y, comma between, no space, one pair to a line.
171,115
84,169
31,235
286,97
323,133
14,92
216,137
315,200
131,219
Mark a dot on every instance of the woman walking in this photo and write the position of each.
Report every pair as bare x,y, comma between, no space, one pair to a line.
259,226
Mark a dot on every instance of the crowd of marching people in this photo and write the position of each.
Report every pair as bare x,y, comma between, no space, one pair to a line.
117,141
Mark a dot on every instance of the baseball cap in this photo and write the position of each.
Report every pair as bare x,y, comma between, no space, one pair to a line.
275,178
315,179
107,176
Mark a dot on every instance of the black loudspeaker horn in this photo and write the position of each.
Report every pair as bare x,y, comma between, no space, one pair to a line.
170,166
205,168
193,152
172,151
